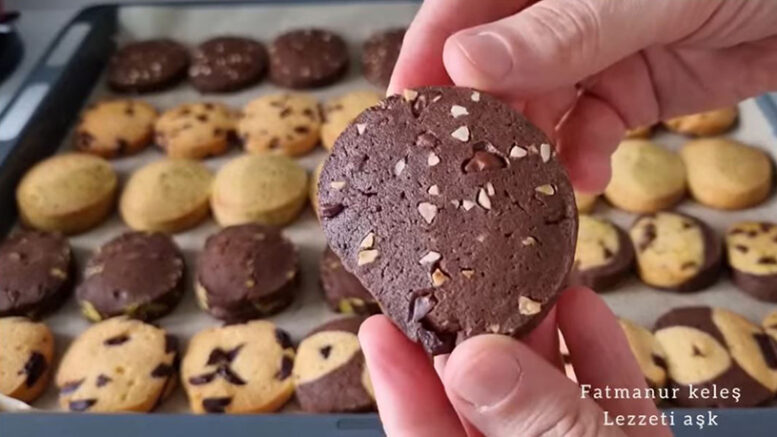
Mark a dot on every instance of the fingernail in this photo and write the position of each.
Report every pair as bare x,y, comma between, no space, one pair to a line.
487,379
487,52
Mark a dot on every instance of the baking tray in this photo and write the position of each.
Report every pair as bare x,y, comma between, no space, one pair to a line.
68,75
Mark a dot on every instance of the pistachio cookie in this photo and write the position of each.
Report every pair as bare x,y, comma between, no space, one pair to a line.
115,128
648,352
243,368
169,195
676,251
265,189
752,255
340,111
36,273
118,365
342,290
289,124
196,130
645,177
712,348
246,272
138,274
26,353
727,174
68,193
330,374
704,124
443,201
603,256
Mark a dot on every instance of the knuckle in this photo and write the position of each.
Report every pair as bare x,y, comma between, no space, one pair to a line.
572,28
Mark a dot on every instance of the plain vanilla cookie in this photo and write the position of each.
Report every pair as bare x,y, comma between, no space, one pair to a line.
196,130
704,124
289,124
752,255
26,353
648,352
339,112
115,127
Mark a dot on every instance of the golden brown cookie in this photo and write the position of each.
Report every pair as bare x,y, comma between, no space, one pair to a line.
115,127
648,352
339,112
26,353
752,255
289,124
196,130
704,124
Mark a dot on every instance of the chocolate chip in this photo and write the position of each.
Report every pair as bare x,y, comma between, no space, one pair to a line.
767,260
607,253
648,235
171,343
122,145
228,375
209,106
84,140
205,378
687,225
736,231
81,405
162,371
482,161
768,349
202,117
687,265
70,387
427,139
215,405
283,338
217,131
285,113
307,112
697,352
285,370
129,110
752,234
421,306
301,129
766,227
219,356
741,248
659,361
185,111
325,351
102,380
115,341
34,368
331,210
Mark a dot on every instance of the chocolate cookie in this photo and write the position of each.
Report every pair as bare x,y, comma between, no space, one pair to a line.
227,63
712,346
342,291
752,255
380,53
146,66
443,202
676,251
307,58
603,255
246,272
36,273
330,374
138,274
26,354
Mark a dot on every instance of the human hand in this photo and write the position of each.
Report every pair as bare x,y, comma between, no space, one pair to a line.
584,71
504,387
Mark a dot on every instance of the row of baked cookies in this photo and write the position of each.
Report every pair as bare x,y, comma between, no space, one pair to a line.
677,252
300,58
126,365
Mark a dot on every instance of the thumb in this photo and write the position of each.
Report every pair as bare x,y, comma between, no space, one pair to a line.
505,389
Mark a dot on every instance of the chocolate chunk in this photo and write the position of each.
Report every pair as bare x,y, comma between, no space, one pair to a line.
483,161
648,237
202,379
102,380
219,356
82,405
283,339
768,260
162,371
286,365
229,375
34,367
741,248
215,405
325,351
70,387
171,343
768,349
659,361
115,341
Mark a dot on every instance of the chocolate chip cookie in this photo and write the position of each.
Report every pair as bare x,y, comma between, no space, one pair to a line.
196,130
342,290
227,63
26,353
307,58
603,256
147,66
379,55
752,255
115,128
289,124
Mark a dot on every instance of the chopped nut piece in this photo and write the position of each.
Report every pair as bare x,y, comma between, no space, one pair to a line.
434,190
361,127
546,189
493,328
518,152
366,256
437,98
467,204
368,241
430,257
475,96
337,185
490,189
468,273
455,203
545,152
428,211
461,134
533,149
58,273
409,94
438,277
528,307
399,166
433,159
458,111
481,238
529,241
483,199
250,283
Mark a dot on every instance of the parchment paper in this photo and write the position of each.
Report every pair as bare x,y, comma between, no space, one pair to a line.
355,22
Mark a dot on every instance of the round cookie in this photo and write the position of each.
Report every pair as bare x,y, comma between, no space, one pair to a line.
313,194
137,273
243,368
752,255
227,63
647,351
118,365
246,272
308,58
444,201
379,55
115,127
68,193
706,346
339,113
645,177
147,66
639,132
36,273
196,130
704,124
585,202
289,124
603,256
342,290
676,252
26,354
727,174
330,374
265,189
169,195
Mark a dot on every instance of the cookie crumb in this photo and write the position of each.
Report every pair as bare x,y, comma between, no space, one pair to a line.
490,189
399,167
468,273
361,127
529,241
467,204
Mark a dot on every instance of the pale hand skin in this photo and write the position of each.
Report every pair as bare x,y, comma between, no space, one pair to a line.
583,71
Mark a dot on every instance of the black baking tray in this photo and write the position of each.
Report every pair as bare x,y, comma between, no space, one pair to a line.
48,103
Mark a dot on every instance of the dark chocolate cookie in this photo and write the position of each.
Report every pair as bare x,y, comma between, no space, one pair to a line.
330,374
147,66
380,53
452,210
715,349
227,63
342,290
36,273
603,255
752,255
246,272
308,58
139,274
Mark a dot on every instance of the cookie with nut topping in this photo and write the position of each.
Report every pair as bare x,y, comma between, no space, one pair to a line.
115,128
707,346
379,55
647,351
196,130
227,63
603,255
308,58
289,124
118,365
147,66
26,354
676,252
342,290
443,201
242,368
752,255
246,272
